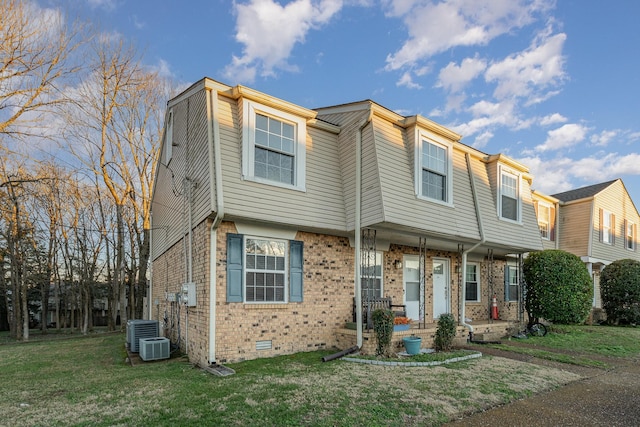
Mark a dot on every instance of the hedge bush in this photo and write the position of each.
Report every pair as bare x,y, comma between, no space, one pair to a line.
558,287
383,327
445,333
620,291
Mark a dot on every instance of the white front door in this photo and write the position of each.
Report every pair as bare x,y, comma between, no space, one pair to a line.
411,286
441,303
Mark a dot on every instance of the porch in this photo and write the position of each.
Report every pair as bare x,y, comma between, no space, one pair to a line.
482,330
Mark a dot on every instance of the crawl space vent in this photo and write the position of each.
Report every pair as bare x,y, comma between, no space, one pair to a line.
263,345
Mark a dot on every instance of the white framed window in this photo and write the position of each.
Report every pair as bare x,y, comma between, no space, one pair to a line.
512,283
273,146
509,195
630,239
434,168
472,283
168,139
544,220
371,274
265,270
607,227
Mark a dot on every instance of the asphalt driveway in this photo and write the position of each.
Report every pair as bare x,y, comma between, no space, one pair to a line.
608,397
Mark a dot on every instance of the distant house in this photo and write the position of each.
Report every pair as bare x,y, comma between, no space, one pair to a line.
270,215
598,223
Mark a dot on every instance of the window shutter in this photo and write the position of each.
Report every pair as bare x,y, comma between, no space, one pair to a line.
296,261
234,267
507,282
635,236
552,223
600,228
535,207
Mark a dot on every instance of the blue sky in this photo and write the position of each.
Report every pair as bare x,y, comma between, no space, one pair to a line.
555,85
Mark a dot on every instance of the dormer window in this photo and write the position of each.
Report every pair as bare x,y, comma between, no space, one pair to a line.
434,172
274,147
509,195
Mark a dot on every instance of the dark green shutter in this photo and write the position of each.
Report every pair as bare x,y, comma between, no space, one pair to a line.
507,282
296,261
234,267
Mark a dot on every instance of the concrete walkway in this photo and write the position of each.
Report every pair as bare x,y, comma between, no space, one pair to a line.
602,398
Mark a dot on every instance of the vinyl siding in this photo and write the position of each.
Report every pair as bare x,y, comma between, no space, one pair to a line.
402,206
575,227
616,200
524,235
170,199
319,207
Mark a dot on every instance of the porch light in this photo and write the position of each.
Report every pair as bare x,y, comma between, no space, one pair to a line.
398,264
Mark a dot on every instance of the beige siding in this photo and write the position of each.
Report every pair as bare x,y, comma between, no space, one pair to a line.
372,212
171,200
616,200
320,206
575,227
524,235
402,206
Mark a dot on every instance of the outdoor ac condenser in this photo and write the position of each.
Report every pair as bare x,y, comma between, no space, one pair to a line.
140,329
154,348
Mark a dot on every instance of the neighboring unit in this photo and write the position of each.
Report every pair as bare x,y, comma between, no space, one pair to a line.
598,223
278,217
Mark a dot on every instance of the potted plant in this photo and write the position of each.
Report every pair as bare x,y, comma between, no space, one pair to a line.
401,323
412,344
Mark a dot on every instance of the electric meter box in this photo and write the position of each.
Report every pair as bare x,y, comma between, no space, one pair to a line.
188,295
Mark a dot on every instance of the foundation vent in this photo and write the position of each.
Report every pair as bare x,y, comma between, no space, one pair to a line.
264,345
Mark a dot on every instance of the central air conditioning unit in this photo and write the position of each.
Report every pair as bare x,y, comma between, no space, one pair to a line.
140,329
154,348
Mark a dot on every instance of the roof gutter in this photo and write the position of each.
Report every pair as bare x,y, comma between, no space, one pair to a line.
483,239
213,139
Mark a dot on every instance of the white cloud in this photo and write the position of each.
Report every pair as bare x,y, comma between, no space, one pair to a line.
435,27
603,138
107,5
563,137
269,32
407,80
531,71
455,77
553,119
559,174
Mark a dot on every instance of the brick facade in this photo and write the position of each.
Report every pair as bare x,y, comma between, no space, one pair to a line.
249,331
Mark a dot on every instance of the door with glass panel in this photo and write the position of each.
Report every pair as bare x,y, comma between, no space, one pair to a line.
411,286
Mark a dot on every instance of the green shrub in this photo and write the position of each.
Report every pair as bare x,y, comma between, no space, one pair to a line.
383,327
620,290
445,333
558,287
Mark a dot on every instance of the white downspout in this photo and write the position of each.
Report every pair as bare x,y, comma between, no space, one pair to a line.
358,254
472,179
150,297
213,136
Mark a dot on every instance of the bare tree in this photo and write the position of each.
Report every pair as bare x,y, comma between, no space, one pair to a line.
35,50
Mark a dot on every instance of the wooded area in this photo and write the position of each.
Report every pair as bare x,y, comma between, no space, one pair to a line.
81,118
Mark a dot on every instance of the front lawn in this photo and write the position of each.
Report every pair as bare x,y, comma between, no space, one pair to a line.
85,381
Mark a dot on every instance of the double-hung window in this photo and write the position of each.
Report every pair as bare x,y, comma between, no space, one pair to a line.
274,146
630,240
371,275
263,270
544,221
509,200
607,227
472,283
511,283
434,171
